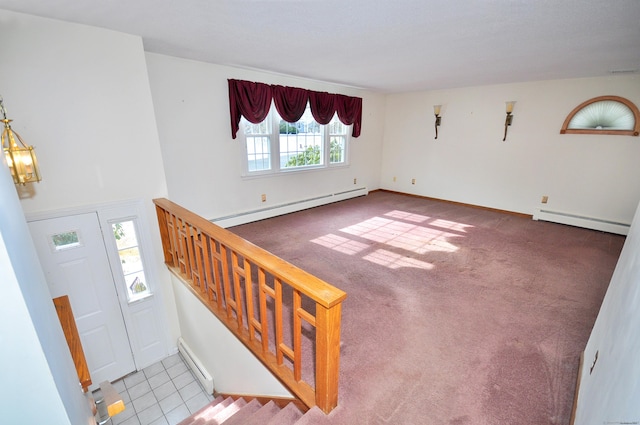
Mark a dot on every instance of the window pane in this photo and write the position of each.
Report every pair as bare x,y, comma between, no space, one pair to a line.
258,145
301,143
136,286
337,127
258,153
65,240
338,140
130,259
336,154
603,115
125,234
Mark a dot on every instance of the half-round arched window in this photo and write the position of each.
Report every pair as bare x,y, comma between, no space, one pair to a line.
603,115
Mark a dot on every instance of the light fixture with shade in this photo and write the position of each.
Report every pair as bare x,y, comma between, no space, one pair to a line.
436,112
21,158
509,119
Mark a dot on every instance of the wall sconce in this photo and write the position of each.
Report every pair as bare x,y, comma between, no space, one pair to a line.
509,119
21,158
436,112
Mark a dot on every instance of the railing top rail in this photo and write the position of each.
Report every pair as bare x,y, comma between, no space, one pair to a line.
320,291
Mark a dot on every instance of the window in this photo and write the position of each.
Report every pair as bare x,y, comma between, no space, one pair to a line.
275,145
66,240
131,262
603,115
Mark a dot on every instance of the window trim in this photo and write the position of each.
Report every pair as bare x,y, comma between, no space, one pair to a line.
634,109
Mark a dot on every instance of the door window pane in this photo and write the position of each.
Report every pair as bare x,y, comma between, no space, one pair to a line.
65,240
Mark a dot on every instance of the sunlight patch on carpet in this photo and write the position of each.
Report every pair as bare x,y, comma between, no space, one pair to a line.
340,244
418,239
407,216
395,261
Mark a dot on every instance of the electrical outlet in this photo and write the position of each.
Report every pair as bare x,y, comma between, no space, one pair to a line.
354,181
545,199
264,197
394,179
413,181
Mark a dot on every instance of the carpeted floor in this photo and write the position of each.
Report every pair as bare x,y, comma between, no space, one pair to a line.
455,315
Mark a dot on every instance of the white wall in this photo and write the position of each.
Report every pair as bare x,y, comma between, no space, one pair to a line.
234,368
590,175
611,393
38,381
81,96
203,163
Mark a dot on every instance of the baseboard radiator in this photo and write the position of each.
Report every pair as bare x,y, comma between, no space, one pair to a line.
196,366
276,210
581,221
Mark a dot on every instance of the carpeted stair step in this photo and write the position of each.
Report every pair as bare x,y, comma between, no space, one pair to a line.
314,416
263,415
207,412
242,416
227,412
287,416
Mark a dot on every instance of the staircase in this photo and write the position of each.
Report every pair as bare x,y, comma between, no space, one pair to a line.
228,411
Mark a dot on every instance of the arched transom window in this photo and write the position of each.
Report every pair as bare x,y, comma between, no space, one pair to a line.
603,115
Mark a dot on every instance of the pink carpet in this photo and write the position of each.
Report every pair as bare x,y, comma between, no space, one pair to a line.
455,315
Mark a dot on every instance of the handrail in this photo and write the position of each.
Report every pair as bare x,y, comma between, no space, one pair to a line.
68,323
268,303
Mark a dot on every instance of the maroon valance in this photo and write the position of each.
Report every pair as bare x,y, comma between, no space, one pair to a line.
253,100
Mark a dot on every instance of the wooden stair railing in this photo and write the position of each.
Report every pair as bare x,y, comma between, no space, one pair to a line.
68,323
111,402
279,311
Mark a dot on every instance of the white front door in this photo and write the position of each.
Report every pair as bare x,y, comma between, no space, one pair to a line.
74,259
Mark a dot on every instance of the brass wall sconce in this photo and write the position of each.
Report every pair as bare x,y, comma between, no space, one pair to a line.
509,119
21,158
436,112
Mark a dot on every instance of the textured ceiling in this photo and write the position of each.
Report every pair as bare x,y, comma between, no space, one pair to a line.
382,45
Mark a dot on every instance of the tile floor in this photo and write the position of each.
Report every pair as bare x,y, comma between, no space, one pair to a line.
164,393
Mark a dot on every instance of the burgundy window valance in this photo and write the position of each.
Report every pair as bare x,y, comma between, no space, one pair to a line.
253,100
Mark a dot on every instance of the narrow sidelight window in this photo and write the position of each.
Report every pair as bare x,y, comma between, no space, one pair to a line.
131,262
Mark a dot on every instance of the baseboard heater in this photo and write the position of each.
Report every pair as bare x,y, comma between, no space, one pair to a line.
581,221
276,210
196,366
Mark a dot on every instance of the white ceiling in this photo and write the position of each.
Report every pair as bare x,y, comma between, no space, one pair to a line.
382,45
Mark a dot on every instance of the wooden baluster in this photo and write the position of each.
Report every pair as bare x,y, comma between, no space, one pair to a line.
278,319
218,278
224,253
297,336
189,238
199,267
252,323
238,274
264,291
175,238
183,257
206,260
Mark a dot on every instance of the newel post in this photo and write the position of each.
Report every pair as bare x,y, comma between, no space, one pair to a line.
164,235
327,355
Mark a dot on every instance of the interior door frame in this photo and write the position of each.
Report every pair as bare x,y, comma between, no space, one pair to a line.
124,210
